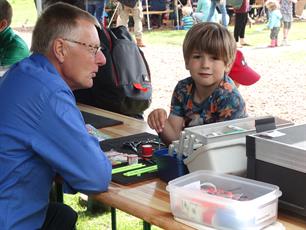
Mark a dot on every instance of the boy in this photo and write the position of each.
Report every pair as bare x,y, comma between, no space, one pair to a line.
209,95
12,47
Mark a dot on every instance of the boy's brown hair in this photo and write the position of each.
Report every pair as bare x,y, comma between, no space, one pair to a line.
6,11
211,38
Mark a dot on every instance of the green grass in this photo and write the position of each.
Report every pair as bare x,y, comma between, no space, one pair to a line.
24,13
256,35
101,218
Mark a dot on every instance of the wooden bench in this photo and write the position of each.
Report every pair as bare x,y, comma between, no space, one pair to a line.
158,12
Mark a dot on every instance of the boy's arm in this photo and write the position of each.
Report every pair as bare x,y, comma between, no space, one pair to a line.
168,128
172,129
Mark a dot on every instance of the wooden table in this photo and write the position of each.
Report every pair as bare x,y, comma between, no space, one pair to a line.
149,200
130,125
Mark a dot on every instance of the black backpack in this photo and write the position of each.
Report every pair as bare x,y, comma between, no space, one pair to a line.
123,84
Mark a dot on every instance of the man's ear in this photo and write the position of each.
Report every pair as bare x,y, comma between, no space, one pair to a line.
3,24
59,49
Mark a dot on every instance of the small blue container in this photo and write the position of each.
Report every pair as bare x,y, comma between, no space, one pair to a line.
169,167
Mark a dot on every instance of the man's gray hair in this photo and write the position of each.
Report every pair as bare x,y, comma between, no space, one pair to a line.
58,20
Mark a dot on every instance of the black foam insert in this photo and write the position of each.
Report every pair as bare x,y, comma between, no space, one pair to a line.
118,145
98,121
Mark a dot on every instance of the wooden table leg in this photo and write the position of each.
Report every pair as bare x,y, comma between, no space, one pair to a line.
113,217
59,193
146,225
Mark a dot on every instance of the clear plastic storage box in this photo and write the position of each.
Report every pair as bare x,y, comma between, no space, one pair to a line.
223,201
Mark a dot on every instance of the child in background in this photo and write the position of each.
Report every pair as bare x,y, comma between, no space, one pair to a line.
187,20
12,47
202,11
209,95
286,11
274,22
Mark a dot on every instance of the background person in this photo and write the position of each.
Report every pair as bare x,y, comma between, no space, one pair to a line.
96,8
137,14
286,11
202,11
209,95
187,20
42,131
12,47
222,7
156,20
274,22
241,20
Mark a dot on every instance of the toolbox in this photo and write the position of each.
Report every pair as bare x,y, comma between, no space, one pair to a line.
279,157
221,146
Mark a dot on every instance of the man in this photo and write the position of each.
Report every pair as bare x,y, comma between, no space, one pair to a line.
123,19
12,47
42,131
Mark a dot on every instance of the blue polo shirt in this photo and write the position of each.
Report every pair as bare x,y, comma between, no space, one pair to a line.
42,133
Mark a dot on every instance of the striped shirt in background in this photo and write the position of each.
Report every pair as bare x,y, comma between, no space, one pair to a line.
187,22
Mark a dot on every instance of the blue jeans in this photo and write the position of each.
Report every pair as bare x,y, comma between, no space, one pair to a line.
222,8
97,10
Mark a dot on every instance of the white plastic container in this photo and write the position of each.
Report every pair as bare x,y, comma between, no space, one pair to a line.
223,157
223,201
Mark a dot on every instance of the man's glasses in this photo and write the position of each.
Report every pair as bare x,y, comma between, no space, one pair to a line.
93,49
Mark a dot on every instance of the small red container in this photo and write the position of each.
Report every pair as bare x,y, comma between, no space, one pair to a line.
147,151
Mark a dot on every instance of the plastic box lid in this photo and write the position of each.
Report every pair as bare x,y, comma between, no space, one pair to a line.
223,201
285,147
238,128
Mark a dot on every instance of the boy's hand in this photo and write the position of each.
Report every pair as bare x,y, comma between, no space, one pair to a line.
157,119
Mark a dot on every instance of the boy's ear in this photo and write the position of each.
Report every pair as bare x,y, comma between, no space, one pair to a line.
228,67
3,24
186,66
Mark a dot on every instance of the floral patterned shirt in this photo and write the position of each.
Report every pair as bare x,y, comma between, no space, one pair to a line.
225,103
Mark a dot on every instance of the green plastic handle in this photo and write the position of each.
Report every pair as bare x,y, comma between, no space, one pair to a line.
138,172
127,168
